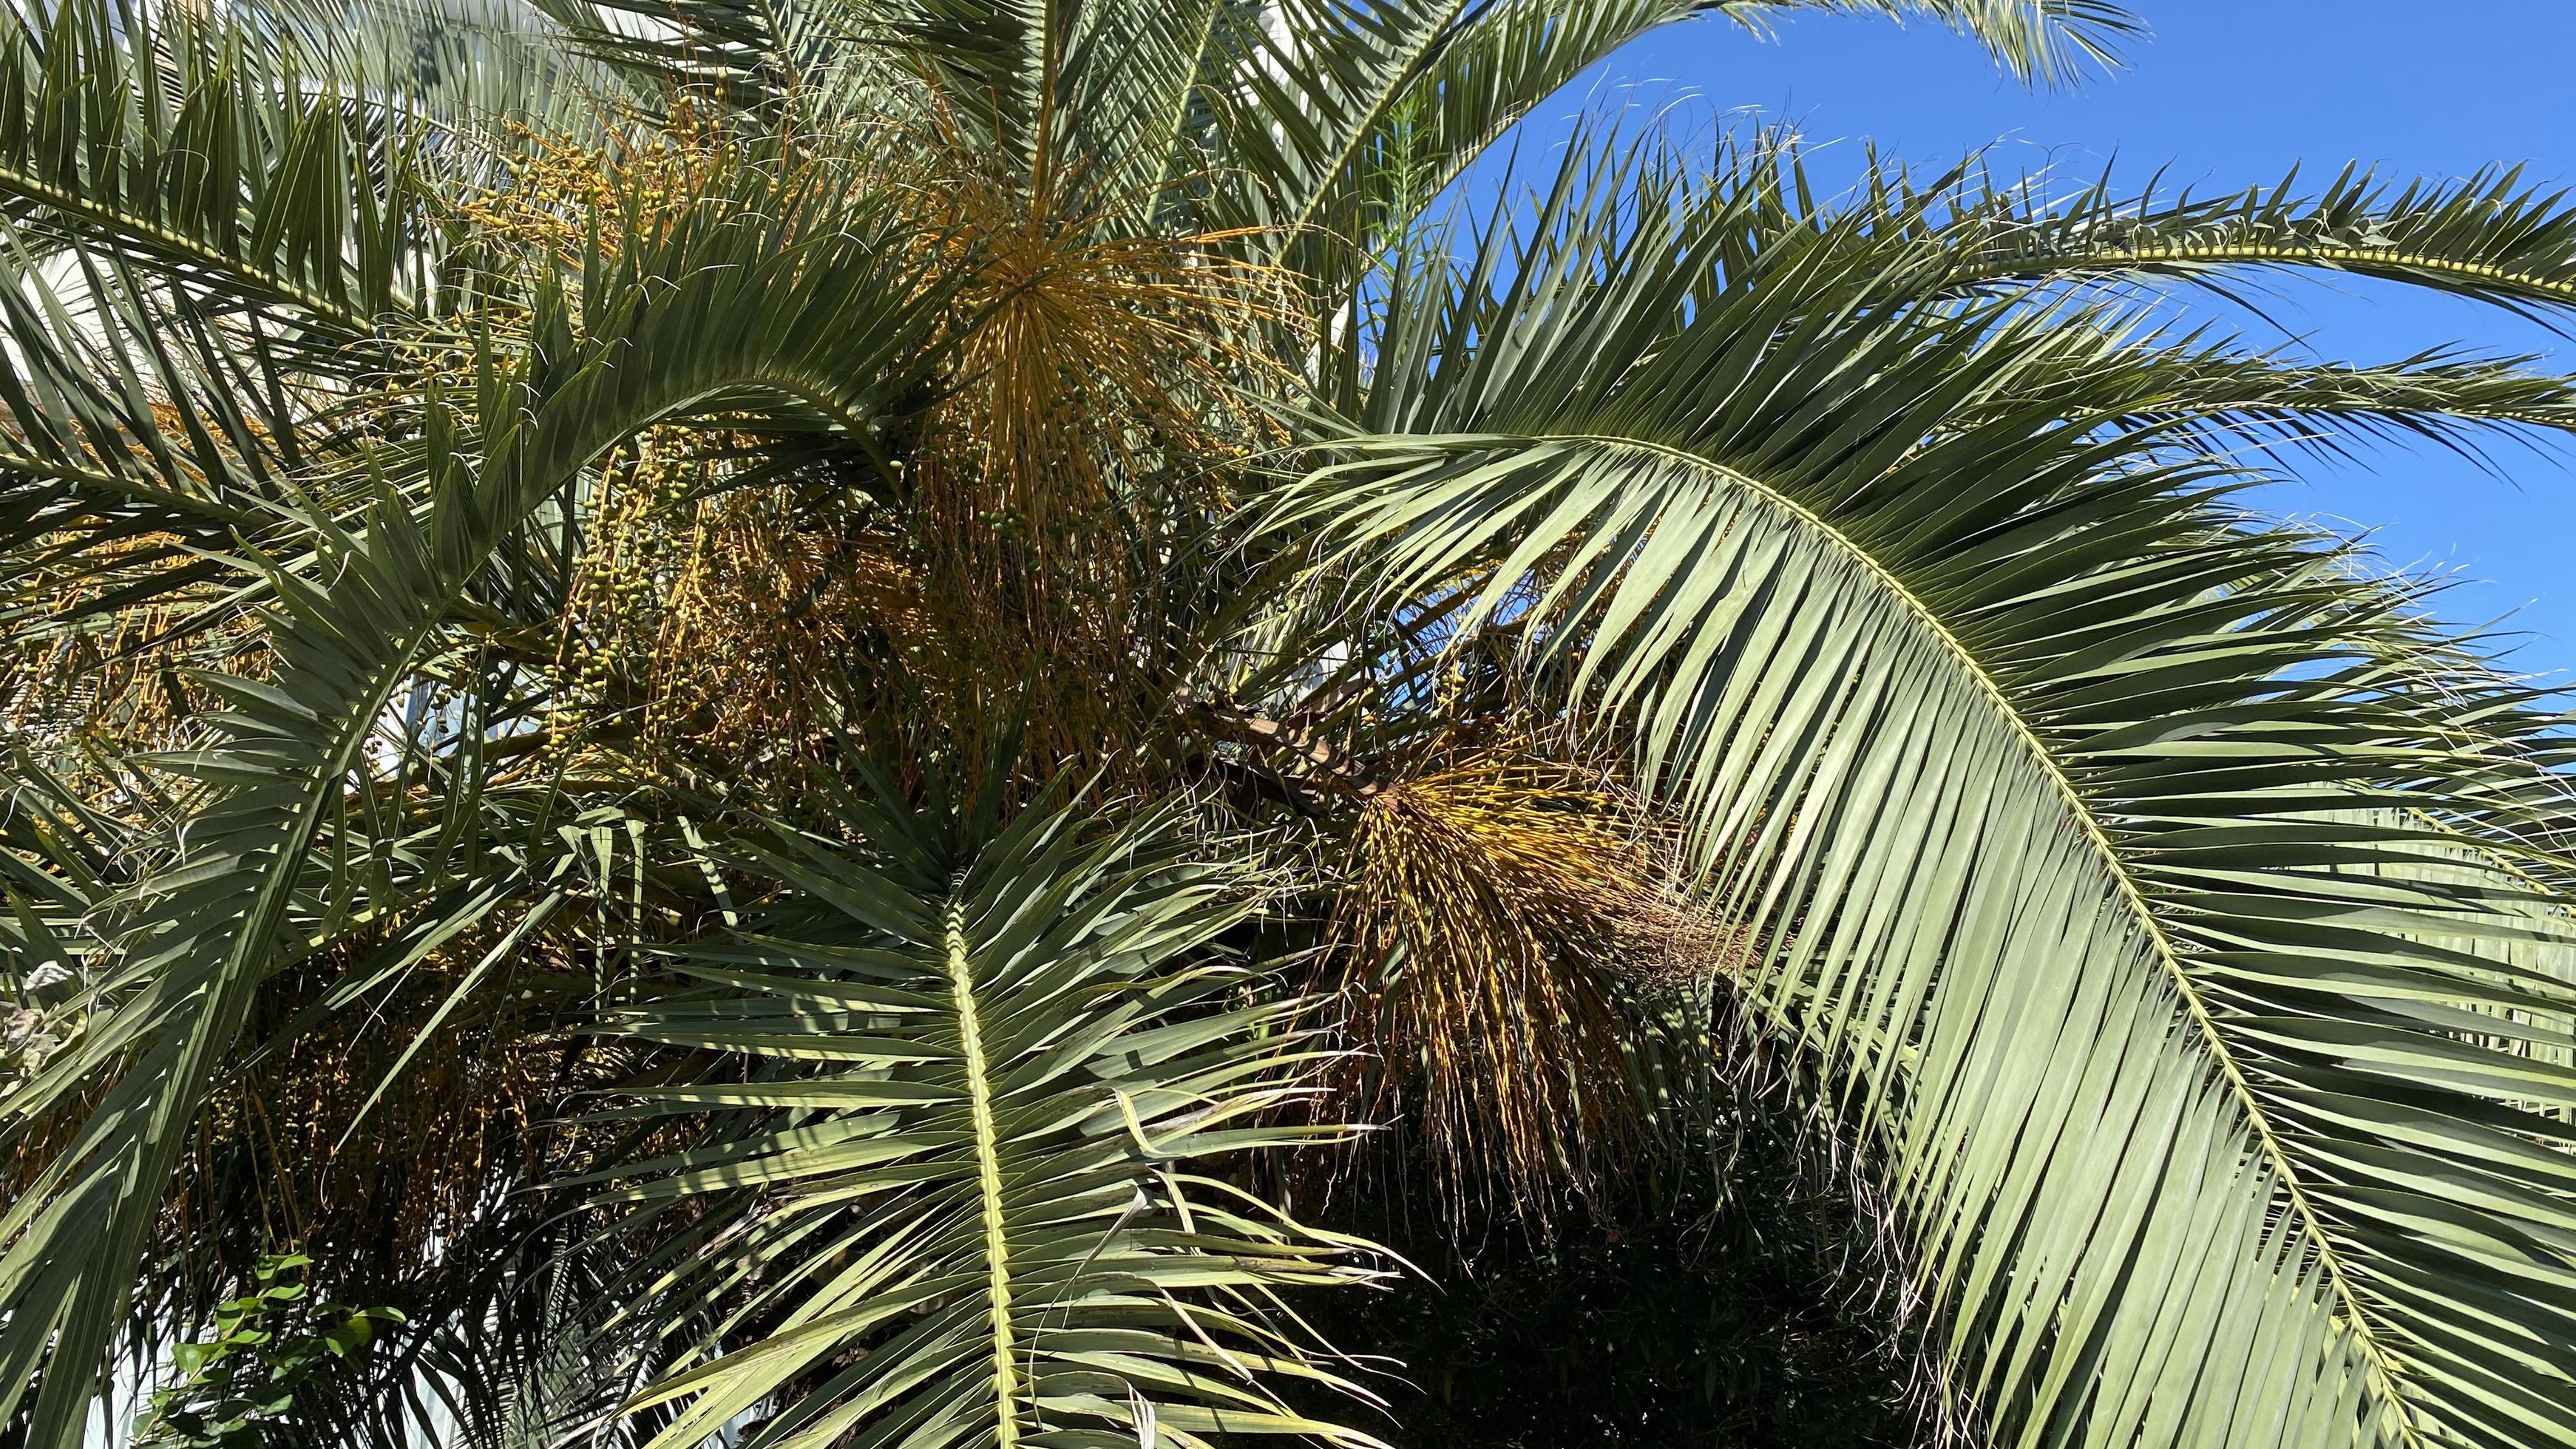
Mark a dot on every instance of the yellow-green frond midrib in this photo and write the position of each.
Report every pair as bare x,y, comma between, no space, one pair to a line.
988,1176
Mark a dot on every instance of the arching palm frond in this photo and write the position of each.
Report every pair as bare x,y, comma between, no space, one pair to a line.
2494,235
1346,121
196,248
457,66
2033,762
756,292
1308,120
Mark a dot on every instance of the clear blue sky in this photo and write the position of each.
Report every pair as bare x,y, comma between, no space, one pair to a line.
2227,92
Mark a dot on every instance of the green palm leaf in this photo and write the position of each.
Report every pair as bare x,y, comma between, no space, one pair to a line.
197,150
1418,124
2033,761
2491,235
987,1089
803,301
1296,118
2178,920
1335,112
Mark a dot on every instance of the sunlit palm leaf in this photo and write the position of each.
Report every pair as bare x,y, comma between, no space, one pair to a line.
2023,750
2181,922
1412,124
192,147
800,300
2493,235
988,1085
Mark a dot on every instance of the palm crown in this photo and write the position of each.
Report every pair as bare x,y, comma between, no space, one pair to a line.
774,707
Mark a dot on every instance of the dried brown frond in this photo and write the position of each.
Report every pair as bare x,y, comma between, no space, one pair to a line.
1495,904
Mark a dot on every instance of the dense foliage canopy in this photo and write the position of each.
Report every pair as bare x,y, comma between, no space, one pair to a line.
880,722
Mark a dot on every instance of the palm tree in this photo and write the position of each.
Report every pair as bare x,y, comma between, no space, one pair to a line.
771,709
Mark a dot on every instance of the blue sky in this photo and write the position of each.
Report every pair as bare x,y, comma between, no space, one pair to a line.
2224,93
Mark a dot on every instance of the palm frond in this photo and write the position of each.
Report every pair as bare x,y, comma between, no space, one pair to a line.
987,1089
2492,235
478,479
808,301
185,145
2228,398
2024,754
748,55
1348,121
2047,41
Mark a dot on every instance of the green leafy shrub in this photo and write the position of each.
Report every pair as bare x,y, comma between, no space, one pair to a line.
269,1348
